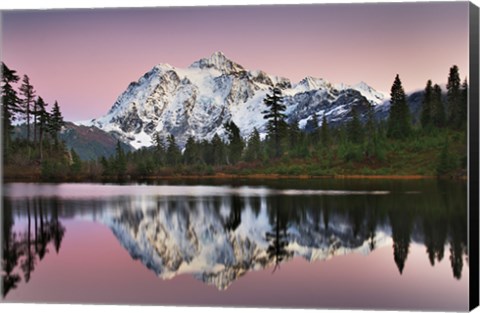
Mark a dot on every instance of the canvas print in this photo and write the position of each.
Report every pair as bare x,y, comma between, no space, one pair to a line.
286,156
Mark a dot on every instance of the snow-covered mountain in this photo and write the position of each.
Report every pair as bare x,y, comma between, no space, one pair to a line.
198,100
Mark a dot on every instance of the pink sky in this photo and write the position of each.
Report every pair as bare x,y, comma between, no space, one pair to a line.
86,58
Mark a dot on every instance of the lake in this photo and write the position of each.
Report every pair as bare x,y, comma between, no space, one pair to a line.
326,243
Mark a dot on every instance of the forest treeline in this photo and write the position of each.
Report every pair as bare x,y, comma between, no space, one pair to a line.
40,153
364,145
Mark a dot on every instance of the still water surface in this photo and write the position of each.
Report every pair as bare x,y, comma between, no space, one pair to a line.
295,243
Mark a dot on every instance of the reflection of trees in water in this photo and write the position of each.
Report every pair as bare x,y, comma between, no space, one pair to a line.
435,236
372,220
458,247
11,250
235,217
445,222
29,262
57,229
401,221
277,239
21,250
422,217
437,217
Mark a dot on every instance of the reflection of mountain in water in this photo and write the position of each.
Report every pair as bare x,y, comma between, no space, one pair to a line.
219,238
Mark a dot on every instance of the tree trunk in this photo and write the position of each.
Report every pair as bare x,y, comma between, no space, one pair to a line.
41,144
35,219
34,124
28,120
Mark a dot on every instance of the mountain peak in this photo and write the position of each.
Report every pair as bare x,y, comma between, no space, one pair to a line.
218,55
313,83
218,61
368,92
363,86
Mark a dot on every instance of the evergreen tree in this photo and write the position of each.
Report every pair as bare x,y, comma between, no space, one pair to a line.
120,162
253,152
236,144
173,151
445,163
192,152
371,124
354,128
427,104
160,149
463,112
206,152
275,116
106,166
454,98
76,165
43,119
325,132
371,134
10,102
399,118
56,122
294,135
36,112
28,96
218,147
315,130
438,108
157,140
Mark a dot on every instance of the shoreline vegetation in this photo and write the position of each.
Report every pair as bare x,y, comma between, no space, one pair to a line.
227,177
429,146
35,175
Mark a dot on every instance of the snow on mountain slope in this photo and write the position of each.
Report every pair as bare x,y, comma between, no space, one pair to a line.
197,101
368,92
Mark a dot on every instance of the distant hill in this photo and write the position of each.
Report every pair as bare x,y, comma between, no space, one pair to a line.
89,142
